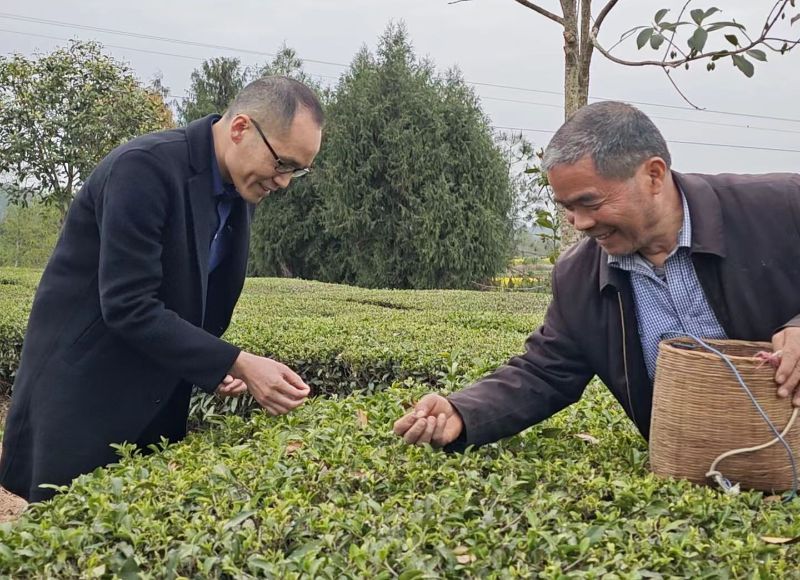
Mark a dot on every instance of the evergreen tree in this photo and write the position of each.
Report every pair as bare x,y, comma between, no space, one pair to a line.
213,88
417,194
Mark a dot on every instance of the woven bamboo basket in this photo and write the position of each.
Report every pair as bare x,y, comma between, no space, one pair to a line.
700,411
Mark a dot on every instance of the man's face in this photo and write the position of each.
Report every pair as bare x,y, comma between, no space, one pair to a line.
252,166
618,214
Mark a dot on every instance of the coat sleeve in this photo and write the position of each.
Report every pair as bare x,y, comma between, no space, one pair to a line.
550,375
132,209
793,194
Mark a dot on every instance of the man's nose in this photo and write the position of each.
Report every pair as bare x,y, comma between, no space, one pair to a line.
580,220
282,179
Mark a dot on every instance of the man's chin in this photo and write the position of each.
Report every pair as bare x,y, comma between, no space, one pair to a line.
256,197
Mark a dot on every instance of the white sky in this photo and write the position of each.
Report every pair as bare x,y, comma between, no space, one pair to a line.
492,41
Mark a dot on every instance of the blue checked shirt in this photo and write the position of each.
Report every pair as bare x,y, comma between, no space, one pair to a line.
669,299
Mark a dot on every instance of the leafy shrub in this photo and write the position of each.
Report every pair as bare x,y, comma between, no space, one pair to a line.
329,492
341,338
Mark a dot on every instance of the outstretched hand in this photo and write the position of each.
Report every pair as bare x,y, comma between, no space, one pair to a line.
273,385
433,420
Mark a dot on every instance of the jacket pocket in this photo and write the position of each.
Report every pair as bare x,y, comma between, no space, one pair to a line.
85,342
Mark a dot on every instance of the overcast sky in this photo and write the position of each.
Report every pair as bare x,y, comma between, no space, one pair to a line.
749,125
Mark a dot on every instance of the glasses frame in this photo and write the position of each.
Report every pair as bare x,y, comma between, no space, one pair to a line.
280,165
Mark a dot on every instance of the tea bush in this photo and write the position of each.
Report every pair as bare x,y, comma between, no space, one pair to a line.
328,491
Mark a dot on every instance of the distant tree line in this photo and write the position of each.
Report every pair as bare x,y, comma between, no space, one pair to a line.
411,189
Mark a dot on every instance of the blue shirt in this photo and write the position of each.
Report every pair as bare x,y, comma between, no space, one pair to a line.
669,299
224,195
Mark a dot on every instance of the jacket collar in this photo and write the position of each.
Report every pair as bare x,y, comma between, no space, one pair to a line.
200,142
198,135
707,226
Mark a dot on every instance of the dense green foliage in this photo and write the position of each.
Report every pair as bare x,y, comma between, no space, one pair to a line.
342,338
328,491
16,296
213,87
410,190
60,113
28,235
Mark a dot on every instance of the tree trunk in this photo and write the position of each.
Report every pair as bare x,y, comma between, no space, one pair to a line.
577,60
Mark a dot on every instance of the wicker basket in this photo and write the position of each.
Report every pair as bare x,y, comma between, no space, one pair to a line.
701,411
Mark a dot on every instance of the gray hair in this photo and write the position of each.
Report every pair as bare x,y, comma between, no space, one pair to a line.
273,101
617,136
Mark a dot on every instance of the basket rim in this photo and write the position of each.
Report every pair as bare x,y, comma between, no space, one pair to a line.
667,345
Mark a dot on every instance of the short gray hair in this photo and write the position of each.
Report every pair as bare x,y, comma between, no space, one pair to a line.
617,136
273,101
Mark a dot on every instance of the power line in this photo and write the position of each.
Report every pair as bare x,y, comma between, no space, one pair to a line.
754,128
525,89
151,37
500,127
727,145
160,53
262,53
109,45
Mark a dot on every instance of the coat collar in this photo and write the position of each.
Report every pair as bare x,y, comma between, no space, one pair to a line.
201,187
707,226
198,135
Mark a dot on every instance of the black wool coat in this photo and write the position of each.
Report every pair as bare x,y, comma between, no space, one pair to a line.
125,317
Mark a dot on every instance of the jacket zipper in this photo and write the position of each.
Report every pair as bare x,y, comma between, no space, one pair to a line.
625,357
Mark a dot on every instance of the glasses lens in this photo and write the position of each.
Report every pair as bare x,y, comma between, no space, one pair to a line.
300,172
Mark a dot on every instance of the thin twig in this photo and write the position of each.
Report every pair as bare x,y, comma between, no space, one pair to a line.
761,40
603,13
684,97
542,11
671,42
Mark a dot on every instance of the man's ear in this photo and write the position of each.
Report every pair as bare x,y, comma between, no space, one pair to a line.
656,170
237,127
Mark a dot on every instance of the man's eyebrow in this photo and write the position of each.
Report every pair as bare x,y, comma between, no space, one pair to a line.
581,199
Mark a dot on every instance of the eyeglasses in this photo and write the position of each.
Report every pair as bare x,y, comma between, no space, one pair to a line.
281,166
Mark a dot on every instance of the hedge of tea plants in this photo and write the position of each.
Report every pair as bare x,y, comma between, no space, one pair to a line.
329,492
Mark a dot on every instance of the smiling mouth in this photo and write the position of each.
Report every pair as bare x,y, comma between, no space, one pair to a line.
604,236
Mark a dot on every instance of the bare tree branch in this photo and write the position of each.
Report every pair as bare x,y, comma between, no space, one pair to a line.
542,11
603,13
680,92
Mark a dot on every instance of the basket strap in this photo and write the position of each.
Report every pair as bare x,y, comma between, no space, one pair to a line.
724,483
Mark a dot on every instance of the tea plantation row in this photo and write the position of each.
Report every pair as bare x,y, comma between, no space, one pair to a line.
328,491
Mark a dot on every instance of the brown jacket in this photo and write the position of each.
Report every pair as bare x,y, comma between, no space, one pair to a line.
746,251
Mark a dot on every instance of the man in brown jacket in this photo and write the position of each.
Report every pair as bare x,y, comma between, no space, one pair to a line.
717,256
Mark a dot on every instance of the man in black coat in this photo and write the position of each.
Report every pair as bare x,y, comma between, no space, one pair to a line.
717,256
143,282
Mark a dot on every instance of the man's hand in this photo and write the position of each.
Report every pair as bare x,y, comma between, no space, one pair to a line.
230,387
787,341
434,420
275,386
